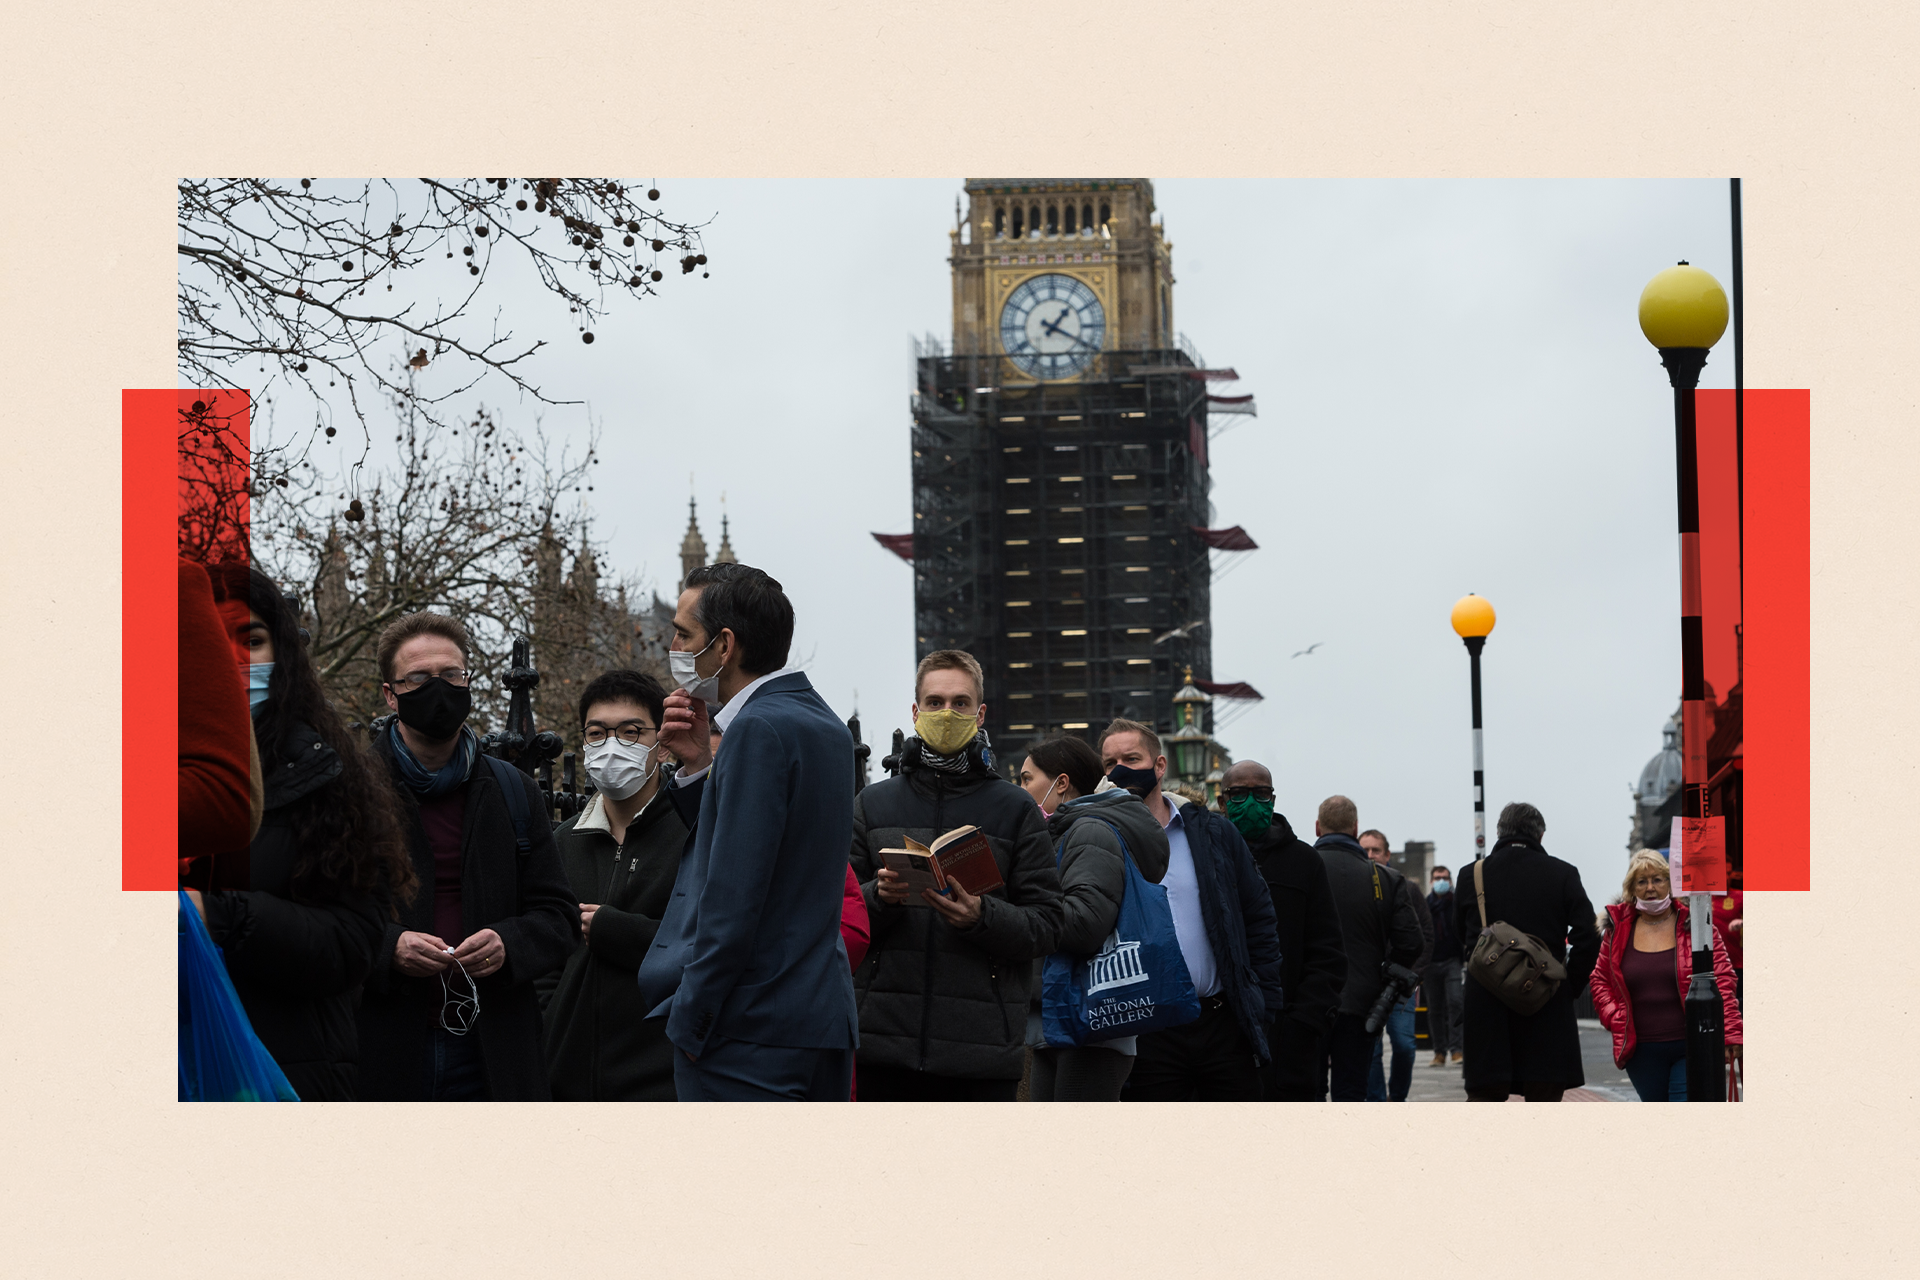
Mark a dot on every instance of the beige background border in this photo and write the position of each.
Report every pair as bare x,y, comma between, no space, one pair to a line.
105,105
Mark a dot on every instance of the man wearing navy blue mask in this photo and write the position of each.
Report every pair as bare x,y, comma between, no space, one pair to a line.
1223,917
748,968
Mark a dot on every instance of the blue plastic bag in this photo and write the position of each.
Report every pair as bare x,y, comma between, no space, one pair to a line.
221,1060
1137,983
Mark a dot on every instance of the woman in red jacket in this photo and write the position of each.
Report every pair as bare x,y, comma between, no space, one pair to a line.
1640,982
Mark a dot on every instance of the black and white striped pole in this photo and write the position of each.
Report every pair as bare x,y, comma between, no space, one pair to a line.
1683,312
1472,621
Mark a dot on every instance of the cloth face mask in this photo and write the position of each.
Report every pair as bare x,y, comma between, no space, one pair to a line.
946,732
1250,814
1138,781
618,768
435,710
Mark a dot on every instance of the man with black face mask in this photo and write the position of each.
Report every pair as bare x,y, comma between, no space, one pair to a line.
1313,959
449,1012
1223,917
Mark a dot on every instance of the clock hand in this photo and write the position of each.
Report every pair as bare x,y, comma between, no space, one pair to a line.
1053,326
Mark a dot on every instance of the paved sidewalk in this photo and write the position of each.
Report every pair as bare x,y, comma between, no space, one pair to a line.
1605,1082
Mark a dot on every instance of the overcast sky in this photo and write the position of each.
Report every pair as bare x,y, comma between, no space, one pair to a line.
1453,396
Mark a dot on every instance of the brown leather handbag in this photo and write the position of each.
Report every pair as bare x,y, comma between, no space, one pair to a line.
1516,967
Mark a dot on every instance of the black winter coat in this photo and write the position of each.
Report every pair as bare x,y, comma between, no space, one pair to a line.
600,1044
1536,893
1313,959
1238,913
1378,919
522,897
931,997
297,960
1446,930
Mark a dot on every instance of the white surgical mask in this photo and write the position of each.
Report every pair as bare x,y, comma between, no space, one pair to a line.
688,677
1653,906
618,768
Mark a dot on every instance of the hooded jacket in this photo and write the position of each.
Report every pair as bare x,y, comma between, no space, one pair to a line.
1612,1005
298,956
934,998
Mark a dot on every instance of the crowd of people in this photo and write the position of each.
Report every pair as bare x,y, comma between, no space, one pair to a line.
724,919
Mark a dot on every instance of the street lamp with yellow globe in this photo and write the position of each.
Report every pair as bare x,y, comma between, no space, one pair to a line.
1683,312
1472,621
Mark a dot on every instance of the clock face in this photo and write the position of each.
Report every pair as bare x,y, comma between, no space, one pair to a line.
1052,326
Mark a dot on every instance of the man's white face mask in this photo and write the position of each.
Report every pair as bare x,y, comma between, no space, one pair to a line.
618,768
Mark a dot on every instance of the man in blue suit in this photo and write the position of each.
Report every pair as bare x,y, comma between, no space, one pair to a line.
748,968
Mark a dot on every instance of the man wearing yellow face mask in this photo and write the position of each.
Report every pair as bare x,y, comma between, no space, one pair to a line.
943,990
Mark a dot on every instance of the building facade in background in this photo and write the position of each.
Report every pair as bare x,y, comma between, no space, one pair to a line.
1062,529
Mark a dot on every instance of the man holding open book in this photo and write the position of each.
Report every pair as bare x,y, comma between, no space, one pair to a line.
959,877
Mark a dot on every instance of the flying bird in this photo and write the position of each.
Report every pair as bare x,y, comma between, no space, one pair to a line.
1310,648
1182,632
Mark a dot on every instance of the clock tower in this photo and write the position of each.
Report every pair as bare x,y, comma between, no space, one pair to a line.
1060,464
1049,273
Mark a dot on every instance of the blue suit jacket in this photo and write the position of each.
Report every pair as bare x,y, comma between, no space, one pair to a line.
750,947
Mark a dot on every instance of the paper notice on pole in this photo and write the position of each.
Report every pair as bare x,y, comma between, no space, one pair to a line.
1699,860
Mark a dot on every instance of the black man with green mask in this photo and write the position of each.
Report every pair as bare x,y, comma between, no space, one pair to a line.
1313,961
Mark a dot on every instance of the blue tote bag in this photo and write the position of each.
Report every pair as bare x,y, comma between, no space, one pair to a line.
221,1059
1137,983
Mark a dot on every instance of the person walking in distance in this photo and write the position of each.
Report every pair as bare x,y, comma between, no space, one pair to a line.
749,968
1377,925
944,989
1441,982
1313,960
1399,1029
1536,1055
1223,918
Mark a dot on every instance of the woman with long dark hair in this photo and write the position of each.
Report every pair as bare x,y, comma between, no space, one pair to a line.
327,865
1063,776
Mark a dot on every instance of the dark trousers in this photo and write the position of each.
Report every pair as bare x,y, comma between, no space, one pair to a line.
1658,1070
1532,1091
903,1084
1348,1053
1442,985
1207,1060
1089,1074
459,1071
736,1071
1297,1072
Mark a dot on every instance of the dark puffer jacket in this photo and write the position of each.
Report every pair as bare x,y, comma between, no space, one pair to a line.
932,997
1092,875
297,960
